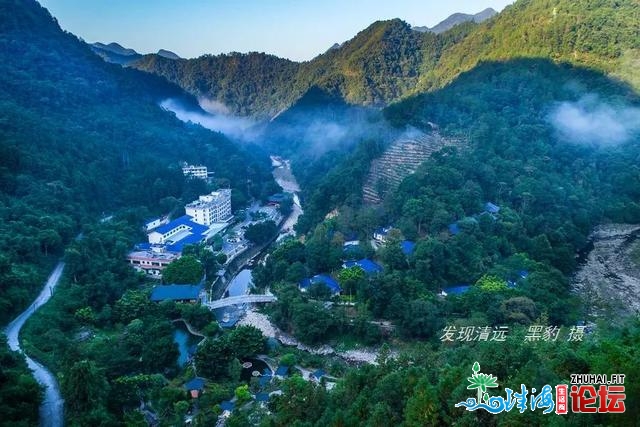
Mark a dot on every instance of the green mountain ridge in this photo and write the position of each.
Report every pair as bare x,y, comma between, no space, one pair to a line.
389,61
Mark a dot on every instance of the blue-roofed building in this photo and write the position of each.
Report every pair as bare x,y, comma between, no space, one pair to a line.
456,290
317,375
179,293
278,198
182,230
454,228
328,281
281,371
195,386
196,383
491,208
227,405
523,274
407,247
369,267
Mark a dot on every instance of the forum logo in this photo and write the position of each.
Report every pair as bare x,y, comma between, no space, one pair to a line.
589,394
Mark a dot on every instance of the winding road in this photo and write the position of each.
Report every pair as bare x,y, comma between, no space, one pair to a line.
51,410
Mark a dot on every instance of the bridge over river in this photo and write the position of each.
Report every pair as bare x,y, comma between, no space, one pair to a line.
241,299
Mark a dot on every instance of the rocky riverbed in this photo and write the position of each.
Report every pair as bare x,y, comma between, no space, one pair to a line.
609,279
262,322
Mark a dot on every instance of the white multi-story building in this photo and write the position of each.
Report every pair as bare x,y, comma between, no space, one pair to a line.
195,171
211,208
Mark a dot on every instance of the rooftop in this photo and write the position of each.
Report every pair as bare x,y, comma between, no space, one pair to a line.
328,281
212,199
183,220
407,247
195,384
175,292
319,374
456,290
366,264
491,208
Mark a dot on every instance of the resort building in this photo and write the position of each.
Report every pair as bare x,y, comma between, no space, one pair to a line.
195,171
178,293
151,260
211,208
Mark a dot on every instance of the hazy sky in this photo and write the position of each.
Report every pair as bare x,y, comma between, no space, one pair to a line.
298,30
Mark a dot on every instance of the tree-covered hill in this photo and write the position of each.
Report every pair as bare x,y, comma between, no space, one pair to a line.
599,34
79,138
389,61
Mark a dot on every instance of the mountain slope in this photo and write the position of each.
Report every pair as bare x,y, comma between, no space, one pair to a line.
389,61
81,137
458,18
246,84
599,34
380,64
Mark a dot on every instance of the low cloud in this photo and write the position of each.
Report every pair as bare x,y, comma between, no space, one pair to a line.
591,121
213,118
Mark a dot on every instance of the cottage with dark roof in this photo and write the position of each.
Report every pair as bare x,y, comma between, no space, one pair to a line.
178,293
195,386
328,281
369,267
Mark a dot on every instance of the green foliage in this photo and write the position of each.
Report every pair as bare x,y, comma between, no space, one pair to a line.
216,357
20,394
184,270
261,232
242,394
388,60
491,284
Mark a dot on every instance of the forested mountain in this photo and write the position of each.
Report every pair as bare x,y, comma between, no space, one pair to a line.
456,19
81,138
246,84
388,60
115,53
380,64
599,34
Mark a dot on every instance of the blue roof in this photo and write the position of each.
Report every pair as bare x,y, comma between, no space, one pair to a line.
195,384
191,239
196,230
228,405
523,274
366,264
328,281
144,246
175,292
282,370
319,374
456,290
262,397
454,228
407,247
491,208
165,228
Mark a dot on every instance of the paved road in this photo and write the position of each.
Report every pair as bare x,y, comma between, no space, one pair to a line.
51,411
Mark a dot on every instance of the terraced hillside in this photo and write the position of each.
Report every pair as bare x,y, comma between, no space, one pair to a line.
400,160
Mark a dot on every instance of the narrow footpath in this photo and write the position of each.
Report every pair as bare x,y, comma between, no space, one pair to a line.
51,410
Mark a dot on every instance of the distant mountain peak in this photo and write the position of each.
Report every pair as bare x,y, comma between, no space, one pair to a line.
167,54
116,48
458,18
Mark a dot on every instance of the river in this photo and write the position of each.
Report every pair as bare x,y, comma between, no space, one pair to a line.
51,410
285,179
